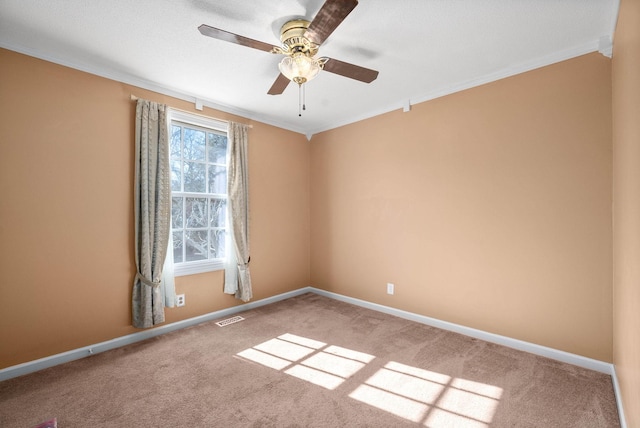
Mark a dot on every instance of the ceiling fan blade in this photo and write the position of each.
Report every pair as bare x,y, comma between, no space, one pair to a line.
219,34
351,71
279,85
331,14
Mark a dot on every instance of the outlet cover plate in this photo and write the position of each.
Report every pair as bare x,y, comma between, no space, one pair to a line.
180,300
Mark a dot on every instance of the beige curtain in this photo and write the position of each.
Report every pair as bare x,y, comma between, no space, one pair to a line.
238,276
152,211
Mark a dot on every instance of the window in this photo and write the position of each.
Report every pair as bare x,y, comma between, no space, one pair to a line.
198,193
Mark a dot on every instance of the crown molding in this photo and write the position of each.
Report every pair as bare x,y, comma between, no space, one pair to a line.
197,100
598,45
614,20
508,71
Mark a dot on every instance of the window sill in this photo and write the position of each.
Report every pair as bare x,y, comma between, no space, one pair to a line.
201,266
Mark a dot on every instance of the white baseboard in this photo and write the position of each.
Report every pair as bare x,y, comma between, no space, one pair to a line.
566,357
618,393
76,354
53,360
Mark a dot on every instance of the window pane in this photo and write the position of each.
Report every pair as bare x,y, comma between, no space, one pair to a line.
194,177
217,248
196,212
195,245
176,134
176,212
217,179
198,158
177,247
217,148
194,144
217,212
176,175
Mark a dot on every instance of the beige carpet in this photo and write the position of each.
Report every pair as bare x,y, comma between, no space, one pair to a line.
311,361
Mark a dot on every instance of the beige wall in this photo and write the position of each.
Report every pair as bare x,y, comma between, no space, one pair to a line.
66,212
489,208
626,233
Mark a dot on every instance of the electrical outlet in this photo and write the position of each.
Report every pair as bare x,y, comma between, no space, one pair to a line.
180,300
390,288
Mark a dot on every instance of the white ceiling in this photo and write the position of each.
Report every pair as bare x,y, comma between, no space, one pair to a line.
422,48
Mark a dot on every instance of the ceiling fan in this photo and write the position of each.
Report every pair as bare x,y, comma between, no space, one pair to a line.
300,42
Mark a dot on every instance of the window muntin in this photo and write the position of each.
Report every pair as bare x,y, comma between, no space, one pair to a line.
198,157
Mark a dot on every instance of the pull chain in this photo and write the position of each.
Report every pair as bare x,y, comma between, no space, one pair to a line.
301,98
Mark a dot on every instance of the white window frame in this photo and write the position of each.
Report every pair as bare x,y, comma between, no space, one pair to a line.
199,266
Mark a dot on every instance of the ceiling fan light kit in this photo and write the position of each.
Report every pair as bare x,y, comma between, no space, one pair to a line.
301,40
298,65
300,68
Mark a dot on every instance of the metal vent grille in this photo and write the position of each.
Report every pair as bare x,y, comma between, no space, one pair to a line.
228,321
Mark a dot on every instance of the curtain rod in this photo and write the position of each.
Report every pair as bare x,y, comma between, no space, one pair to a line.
134,98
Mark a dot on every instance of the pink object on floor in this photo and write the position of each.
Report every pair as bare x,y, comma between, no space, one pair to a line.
51,423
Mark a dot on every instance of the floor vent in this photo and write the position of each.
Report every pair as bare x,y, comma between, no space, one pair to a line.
228,321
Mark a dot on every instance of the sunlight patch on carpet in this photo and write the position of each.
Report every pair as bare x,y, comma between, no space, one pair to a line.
479,388
469,404
405,385
283,349
390,402
443,419
433,399
340,366
313,361
348,353
264,359
309,343
316,377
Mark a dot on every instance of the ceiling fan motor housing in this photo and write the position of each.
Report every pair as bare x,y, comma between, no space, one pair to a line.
292,36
